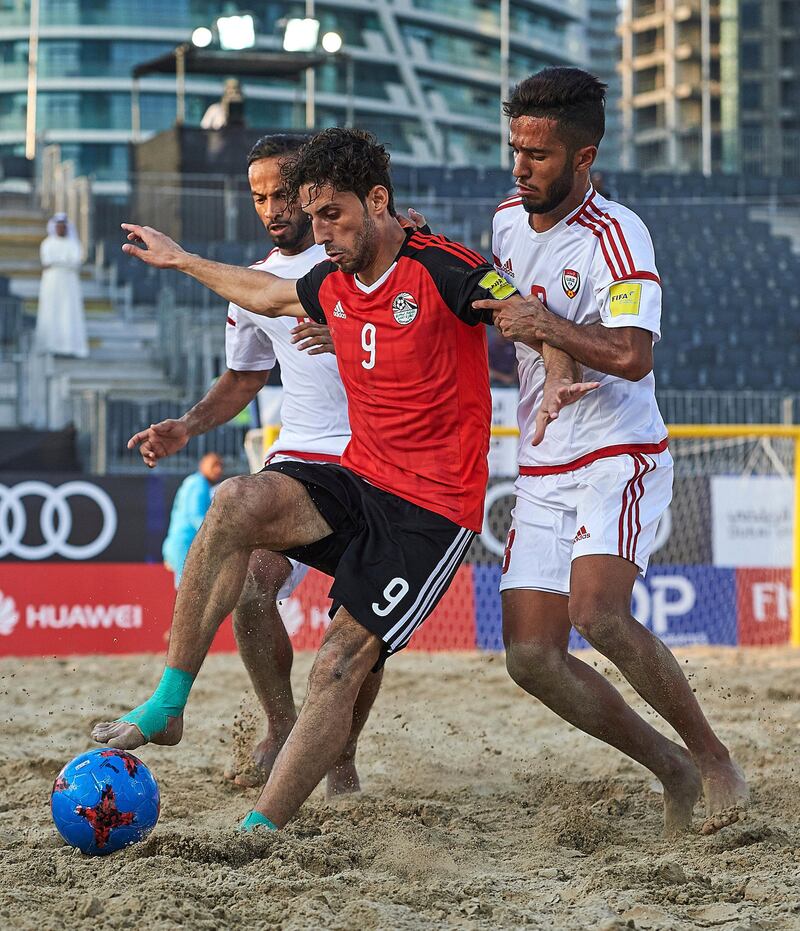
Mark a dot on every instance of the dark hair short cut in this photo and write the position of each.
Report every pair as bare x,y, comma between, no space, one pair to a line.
349,160
573,98
276,144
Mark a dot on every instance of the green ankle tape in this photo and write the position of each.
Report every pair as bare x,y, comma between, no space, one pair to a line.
168,701
254,819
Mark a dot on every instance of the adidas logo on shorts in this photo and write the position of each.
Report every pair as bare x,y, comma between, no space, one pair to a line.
582,534
338,311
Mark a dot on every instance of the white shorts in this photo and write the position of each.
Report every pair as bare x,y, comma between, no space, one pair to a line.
610,507
296,576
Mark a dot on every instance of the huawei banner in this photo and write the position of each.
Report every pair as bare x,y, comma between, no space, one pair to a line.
58,610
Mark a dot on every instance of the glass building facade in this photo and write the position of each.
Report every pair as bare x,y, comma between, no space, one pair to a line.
425,73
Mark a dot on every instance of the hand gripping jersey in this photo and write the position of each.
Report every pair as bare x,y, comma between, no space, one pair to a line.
596,265
414,366
314,422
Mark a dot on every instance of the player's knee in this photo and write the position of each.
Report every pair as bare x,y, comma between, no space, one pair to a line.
597,621
338,668
534,664
227,501
239,503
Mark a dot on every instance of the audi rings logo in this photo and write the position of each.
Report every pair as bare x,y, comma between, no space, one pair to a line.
55,520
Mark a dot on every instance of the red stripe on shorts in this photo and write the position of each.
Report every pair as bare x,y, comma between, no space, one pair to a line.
628,489
649,467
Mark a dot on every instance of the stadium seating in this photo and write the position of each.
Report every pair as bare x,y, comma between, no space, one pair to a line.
731,313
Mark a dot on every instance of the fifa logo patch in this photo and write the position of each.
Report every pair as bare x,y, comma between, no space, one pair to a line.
404,308
570,282
625,298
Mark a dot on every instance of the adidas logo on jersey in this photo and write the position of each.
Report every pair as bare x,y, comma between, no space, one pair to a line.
582,534
338,311
508,267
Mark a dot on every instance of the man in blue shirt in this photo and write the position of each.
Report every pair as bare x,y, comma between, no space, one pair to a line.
188,510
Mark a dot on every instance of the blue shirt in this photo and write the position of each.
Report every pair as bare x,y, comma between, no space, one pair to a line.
188,510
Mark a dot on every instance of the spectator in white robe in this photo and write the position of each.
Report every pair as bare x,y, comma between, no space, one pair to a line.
60,322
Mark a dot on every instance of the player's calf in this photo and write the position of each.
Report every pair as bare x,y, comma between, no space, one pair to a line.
266,651
325,721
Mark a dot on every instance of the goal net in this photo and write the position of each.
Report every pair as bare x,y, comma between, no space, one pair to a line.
723,571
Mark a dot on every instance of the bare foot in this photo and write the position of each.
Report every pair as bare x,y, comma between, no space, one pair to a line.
254,774
342,779
125,736
682,788
726,793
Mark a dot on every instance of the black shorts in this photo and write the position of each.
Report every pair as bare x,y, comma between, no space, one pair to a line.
391,560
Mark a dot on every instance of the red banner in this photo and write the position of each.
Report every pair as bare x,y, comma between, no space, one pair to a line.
763,605
58,609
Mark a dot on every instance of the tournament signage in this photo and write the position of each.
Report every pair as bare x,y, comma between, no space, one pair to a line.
62,517
81,572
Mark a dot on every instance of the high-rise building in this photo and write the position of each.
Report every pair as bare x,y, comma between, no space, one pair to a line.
711,85
670,70
426,74
761,86
603,46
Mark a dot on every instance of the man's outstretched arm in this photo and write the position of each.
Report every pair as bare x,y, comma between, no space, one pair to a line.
256,291
230,394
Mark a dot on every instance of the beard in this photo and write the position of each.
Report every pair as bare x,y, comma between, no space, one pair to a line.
296,232
364,250
557,191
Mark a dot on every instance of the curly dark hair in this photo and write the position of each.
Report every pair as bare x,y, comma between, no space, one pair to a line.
276,144
575,99
349,160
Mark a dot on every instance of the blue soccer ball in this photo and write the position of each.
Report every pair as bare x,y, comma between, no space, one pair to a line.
104,800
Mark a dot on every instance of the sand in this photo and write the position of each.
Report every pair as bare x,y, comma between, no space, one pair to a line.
481,810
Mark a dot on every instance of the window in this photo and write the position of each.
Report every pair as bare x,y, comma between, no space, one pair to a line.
751,95
751,56
751,15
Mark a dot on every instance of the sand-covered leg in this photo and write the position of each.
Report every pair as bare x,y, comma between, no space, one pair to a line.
266,651
343,776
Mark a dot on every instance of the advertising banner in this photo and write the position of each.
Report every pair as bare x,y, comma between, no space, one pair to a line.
752,520
76,518
763,604
81,572
61,609
683,605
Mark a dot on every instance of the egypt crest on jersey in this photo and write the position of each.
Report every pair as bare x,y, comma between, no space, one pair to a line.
595,266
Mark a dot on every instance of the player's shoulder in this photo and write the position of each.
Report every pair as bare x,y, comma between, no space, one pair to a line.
507,212
262,263
599,213
439,252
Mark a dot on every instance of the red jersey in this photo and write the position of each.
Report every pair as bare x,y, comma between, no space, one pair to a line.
414,365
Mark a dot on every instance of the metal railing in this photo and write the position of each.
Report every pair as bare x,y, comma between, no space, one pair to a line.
105,424
728,407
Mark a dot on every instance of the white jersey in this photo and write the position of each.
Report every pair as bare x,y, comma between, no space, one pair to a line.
314,422
595,266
